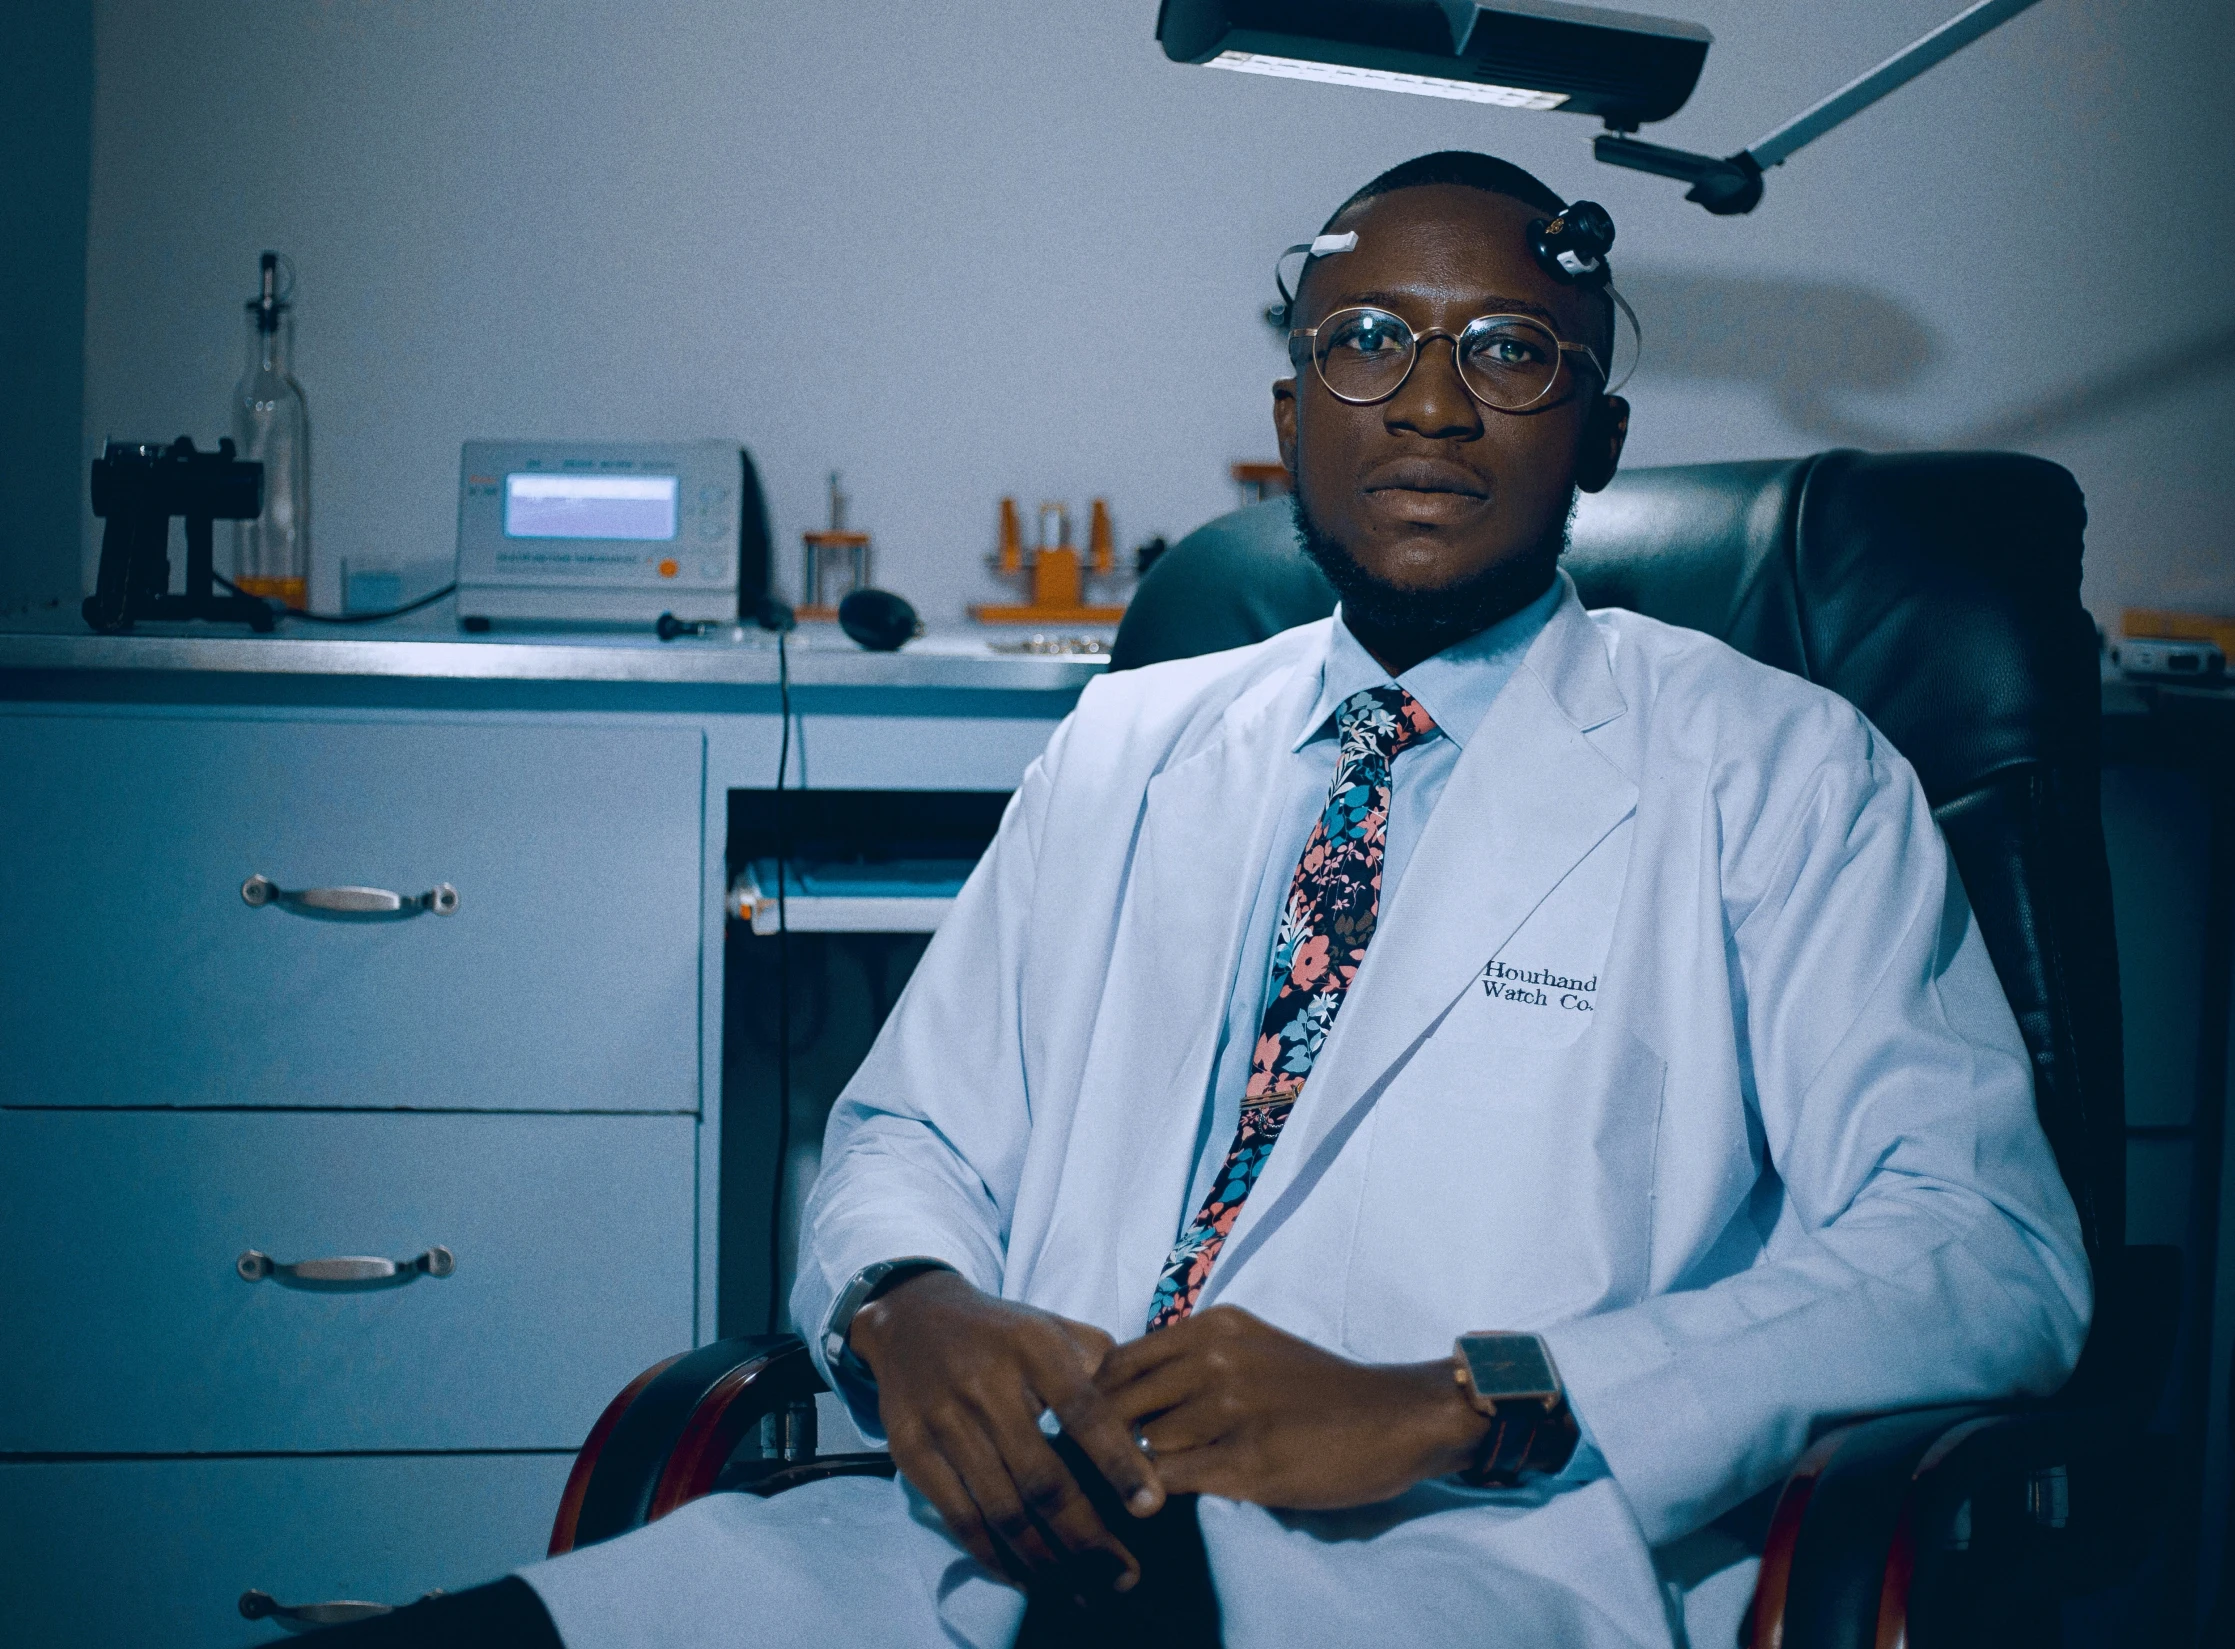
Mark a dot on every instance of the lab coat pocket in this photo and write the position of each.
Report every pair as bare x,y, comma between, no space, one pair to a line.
1505,1187
1542,987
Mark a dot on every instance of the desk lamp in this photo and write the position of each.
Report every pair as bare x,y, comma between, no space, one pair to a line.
1625,68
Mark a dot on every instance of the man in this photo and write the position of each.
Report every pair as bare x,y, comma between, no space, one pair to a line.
1464,963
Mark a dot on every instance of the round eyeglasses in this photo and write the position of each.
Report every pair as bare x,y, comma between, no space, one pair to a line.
1509,363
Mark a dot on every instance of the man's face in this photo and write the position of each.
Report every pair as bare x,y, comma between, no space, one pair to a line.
1430,490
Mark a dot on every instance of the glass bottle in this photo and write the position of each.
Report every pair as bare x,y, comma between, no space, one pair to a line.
271,426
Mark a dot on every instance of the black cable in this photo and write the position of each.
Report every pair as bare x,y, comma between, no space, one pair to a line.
783,994
342,618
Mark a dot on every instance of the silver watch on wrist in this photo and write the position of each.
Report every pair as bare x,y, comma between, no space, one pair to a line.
869,1282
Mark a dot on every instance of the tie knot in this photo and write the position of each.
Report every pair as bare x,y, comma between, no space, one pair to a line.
1380,721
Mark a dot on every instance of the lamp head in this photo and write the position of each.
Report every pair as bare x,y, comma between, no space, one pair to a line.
1620,66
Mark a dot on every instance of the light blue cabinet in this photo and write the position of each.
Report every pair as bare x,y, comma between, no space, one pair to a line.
155,1554
136,973
530,1082
571,1239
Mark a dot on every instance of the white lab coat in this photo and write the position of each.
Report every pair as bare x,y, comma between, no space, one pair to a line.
1677,1043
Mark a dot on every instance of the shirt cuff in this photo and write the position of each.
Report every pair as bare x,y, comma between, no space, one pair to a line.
1587,1464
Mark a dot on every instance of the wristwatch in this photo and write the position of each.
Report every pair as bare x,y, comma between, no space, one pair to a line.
869,1282
1510,1379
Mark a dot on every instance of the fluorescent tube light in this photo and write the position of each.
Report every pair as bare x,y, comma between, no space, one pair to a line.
1387,80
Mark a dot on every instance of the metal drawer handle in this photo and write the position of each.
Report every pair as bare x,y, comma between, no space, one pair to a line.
308,1617
255,1265
442,899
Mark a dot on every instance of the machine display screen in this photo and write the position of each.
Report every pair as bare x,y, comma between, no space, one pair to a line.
590,506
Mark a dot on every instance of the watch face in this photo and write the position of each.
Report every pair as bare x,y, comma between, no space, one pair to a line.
1508,1365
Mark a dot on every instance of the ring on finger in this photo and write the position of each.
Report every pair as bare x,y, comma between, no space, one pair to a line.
1141,1442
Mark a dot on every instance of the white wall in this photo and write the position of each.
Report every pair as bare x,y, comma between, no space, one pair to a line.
962,249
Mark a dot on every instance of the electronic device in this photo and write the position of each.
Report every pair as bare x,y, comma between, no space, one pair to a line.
614,534
2172,660
137,487
1625,68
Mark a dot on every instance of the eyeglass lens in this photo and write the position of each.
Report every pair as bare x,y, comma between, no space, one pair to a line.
1506,361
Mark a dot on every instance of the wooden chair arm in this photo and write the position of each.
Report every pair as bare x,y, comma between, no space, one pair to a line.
1953,1525
727,1415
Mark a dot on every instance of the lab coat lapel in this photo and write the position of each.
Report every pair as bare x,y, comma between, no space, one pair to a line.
1205,831
1528,799
1207,827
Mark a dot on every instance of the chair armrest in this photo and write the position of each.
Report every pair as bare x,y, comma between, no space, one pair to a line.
1951,1525
724,1415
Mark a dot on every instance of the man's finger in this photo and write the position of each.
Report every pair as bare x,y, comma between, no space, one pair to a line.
1070,1517
1168,1385
1094,1425
1053,1496
1192,1424
937,1482
1103,1435
1136,1357
1215,1468
1094,1342
984,1474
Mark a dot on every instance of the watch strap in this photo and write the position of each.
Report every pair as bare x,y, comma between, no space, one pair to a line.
1523,1439
1505,1449
865,1285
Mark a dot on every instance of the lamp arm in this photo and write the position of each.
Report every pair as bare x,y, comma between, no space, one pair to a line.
1733,184
1725,187
1897,71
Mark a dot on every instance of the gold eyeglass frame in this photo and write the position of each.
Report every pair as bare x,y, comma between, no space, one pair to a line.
1311,335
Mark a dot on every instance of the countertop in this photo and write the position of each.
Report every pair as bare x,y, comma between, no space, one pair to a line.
433,649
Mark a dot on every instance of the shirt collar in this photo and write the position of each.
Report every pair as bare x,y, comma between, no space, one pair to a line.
1456,687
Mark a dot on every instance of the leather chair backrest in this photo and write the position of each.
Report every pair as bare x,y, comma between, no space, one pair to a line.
1939,594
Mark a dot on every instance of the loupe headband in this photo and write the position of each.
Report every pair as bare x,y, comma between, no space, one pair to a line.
1572,248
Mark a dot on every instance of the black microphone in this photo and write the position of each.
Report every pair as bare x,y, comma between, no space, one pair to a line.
879,620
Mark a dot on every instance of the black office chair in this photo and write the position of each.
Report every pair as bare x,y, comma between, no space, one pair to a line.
1940,594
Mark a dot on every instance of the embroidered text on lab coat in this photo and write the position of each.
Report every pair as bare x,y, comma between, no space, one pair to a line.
1538,987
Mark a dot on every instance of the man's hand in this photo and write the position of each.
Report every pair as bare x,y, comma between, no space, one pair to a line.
962,1380
1237,1408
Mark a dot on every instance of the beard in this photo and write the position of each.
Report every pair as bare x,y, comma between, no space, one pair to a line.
1435,618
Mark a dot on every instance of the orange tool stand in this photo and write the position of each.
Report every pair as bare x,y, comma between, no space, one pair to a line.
1058,580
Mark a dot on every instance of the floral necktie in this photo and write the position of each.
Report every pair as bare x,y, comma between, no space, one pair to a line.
1324,929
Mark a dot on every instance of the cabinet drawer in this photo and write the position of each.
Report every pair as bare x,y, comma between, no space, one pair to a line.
131,1330
132,1553
134,972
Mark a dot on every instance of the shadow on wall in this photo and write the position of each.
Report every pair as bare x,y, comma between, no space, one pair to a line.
2176,366
1811,346
1816,347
